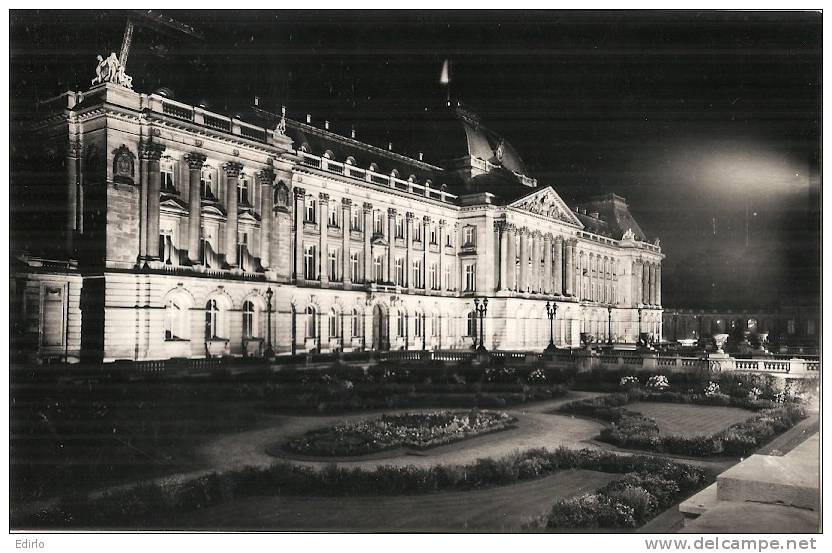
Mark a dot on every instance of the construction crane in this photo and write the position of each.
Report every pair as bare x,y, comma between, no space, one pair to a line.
155,20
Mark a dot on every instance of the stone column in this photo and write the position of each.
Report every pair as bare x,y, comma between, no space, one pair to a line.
534,277
569,262
557,277
439,238
547,264
149,154
266,178
425,240
195,161
645,283
232,173
652,284
658,284
73,154
368,232
391,237
523,279
300,193
408,240
502,229
323,245
511,256
346,218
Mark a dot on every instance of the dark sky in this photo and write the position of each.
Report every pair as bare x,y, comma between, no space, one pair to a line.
700,119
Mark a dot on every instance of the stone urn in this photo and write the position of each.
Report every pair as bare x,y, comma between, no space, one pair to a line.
719,341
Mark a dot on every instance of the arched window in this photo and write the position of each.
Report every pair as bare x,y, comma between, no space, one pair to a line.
176,327
212,320
355,324
249,320
472,324
401,324
311,322
334,323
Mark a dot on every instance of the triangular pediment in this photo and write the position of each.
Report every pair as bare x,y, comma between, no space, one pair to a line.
547,203
248,216
174,205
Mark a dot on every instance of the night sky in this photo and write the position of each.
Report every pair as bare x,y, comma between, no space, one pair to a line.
708,123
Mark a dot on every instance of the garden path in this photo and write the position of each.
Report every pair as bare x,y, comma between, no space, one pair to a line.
535,428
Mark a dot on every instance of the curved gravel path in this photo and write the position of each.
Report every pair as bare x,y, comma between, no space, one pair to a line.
535,428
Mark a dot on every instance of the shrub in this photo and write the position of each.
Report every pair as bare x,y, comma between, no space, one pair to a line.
643,503
591,511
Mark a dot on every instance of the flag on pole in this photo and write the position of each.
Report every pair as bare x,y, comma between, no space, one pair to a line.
445,78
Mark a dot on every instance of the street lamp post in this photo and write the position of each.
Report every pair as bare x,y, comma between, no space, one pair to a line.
609,325
269,351
480,309
551,312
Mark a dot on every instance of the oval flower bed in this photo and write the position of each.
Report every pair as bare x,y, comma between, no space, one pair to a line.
412,430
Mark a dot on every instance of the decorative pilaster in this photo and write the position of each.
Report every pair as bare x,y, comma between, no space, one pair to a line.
408,237
569,261
323,243
346,217
652,284
266,180
547,264
232,174
535,273
73,154
658,284
195,162
511,256
368,232
522,285
500,227
300,193
441,239
151,178
425,239
391,233
558,269
645,283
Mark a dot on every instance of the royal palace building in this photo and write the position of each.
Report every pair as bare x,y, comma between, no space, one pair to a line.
187,233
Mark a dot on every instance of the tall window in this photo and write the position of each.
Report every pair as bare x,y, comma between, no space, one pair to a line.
311,210
355,220
470,277
378,268
206,184
417,273
242,249
167,243
399,271
447,277
449,239
471,328
399,227
310,262
334,323
417,325
355,325
243,192
469,236
378,223
333,216
333,265
417,232
401,326
354,266
311,322
249,320
212,320
175,321
434,325
791,326
433,233
434,276
167,168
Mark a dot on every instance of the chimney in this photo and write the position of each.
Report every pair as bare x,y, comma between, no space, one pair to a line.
308,118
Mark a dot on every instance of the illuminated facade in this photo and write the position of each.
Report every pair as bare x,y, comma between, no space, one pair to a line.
184,232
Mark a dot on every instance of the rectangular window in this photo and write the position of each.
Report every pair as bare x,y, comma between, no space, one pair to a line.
378,268
399,227
469,236
242,249
434,276
449,239
810,328
470,277
333,217
434,325
311,210
310,263
206,184
167,169
242,192
399,271
355,223
446,277
791,326
378,223
333,265
356,324
433,233
416,267
354,266
417,232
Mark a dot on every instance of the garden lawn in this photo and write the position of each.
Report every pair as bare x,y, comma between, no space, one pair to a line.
690,420
502,508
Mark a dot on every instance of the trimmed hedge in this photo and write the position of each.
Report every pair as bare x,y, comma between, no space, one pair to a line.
154,506
632,430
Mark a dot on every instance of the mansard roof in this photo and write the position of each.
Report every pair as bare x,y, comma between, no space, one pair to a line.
614,217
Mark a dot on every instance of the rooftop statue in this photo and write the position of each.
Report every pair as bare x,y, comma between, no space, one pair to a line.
629,235
110,70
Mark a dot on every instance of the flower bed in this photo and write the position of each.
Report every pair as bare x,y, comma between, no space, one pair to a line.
631,429
412,430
